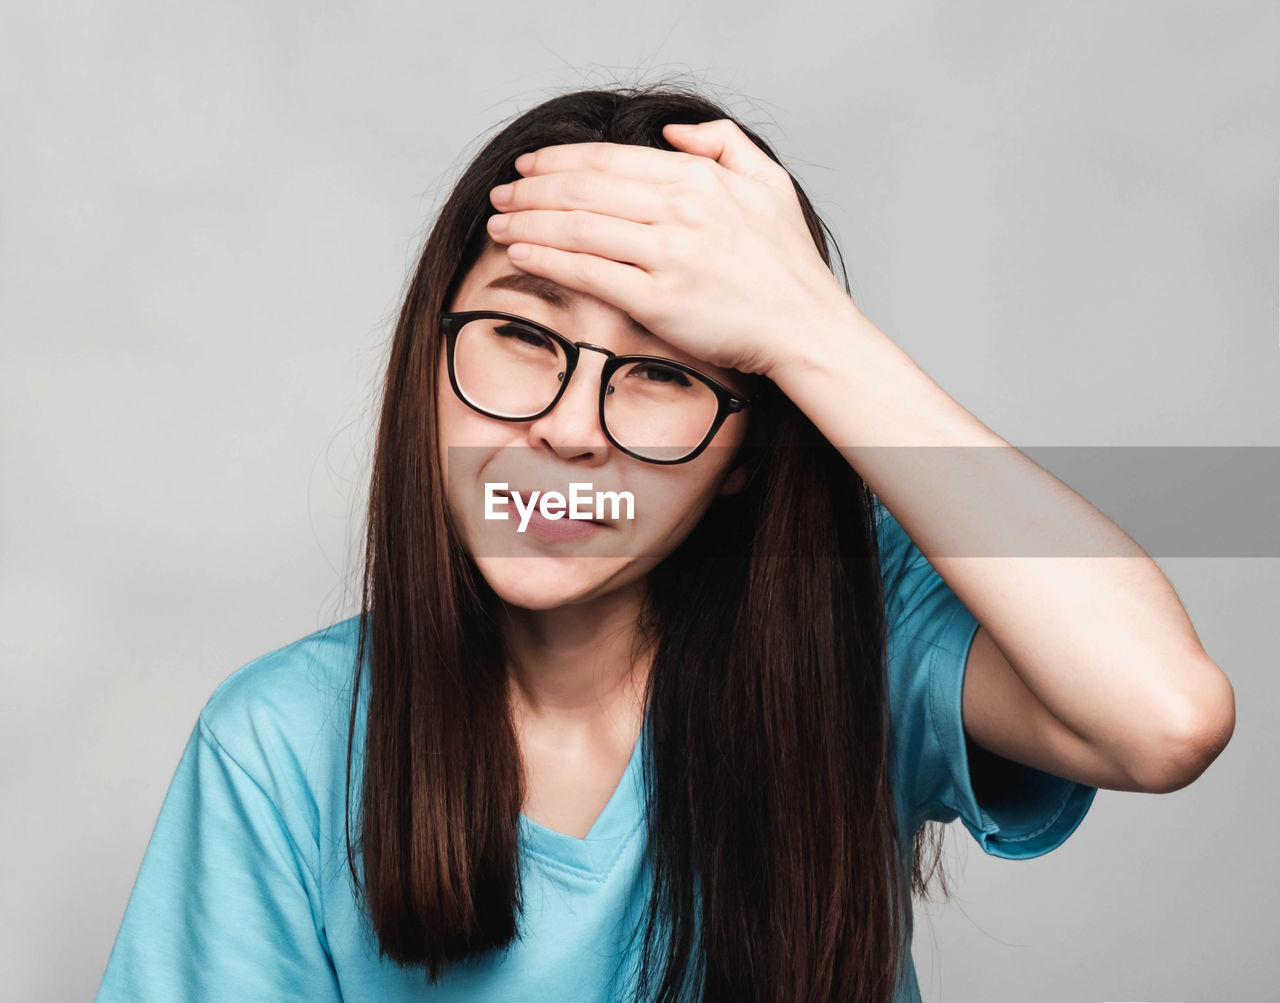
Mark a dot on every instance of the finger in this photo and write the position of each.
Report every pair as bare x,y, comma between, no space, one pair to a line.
612,281
725,143
638,201
578,230
640,163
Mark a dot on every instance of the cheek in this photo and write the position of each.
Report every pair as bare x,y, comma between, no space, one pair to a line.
674,501
458,426
463,440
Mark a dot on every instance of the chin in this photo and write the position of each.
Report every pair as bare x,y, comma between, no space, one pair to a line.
541,583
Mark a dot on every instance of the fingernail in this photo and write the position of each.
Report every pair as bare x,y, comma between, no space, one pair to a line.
501,193
498,223
524,162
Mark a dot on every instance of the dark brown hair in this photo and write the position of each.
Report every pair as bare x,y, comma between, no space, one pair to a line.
772,832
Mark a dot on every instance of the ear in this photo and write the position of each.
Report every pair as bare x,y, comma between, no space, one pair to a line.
735,481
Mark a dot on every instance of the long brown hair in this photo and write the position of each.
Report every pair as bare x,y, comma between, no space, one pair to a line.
772,831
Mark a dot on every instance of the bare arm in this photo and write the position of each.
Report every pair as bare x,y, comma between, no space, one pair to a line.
1087,667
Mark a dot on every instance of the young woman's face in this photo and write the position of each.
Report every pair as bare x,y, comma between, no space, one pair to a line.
541,568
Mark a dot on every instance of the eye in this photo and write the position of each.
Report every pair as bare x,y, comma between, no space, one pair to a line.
525,335
656,372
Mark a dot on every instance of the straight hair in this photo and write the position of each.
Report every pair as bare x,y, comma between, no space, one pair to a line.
773,837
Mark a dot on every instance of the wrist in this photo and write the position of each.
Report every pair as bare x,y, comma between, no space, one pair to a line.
828,330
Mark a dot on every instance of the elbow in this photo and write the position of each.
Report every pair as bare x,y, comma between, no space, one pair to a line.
1193,735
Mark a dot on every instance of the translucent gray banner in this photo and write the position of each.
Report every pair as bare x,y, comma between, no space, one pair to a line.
1178,501
1173,501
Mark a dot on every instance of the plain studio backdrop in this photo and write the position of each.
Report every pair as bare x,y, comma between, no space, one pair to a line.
1066,213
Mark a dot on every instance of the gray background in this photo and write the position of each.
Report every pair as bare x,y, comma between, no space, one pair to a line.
1066,213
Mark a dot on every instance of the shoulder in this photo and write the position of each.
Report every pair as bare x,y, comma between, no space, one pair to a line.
906,576
278,715
928,635
892,541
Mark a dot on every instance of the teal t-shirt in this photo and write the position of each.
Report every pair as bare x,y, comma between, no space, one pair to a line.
244,891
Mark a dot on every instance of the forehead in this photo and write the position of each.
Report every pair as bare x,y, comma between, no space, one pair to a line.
493,277
493,271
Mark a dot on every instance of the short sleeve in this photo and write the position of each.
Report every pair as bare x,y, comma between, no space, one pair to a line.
1013,810
224,906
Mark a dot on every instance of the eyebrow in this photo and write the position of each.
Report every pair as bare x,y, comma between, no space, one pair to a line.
550,292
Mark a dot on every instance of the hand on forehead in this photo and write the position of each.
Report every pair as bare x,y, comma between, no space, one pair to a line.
706,246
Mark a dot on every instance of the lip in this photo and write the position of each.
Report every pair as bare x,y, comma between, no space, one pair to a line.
555,530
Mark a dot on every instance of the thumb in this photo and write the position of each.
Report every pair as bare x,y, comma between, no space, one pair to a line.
724,142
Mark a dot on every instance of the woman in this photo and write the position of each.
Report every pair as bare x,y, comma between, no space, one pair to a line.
693,752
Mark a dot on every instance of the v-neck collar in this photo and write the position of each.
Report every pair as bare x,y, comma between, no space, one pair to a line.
598,851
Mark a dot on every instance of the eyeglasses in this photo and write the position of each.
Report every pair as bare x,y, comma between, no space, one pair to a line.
654,409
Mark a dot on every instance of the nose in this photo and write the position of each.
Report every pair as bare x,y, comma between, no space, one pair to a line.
572,428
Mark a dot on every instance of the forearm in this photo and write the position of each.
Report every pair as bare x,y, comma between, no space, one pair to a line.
1103,641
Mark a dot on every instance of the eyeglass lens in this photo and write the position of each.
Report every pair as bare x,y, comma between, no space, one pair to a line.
512,370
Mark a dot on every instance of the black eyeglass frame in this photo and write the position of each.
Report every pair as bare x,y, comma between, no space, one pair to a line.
728,401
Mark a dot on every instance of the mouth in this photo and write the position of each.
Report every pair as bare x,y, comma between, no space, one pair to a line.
526,498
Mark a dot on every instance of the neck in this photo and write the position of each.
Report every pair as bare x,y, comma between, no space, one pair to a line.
575,662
